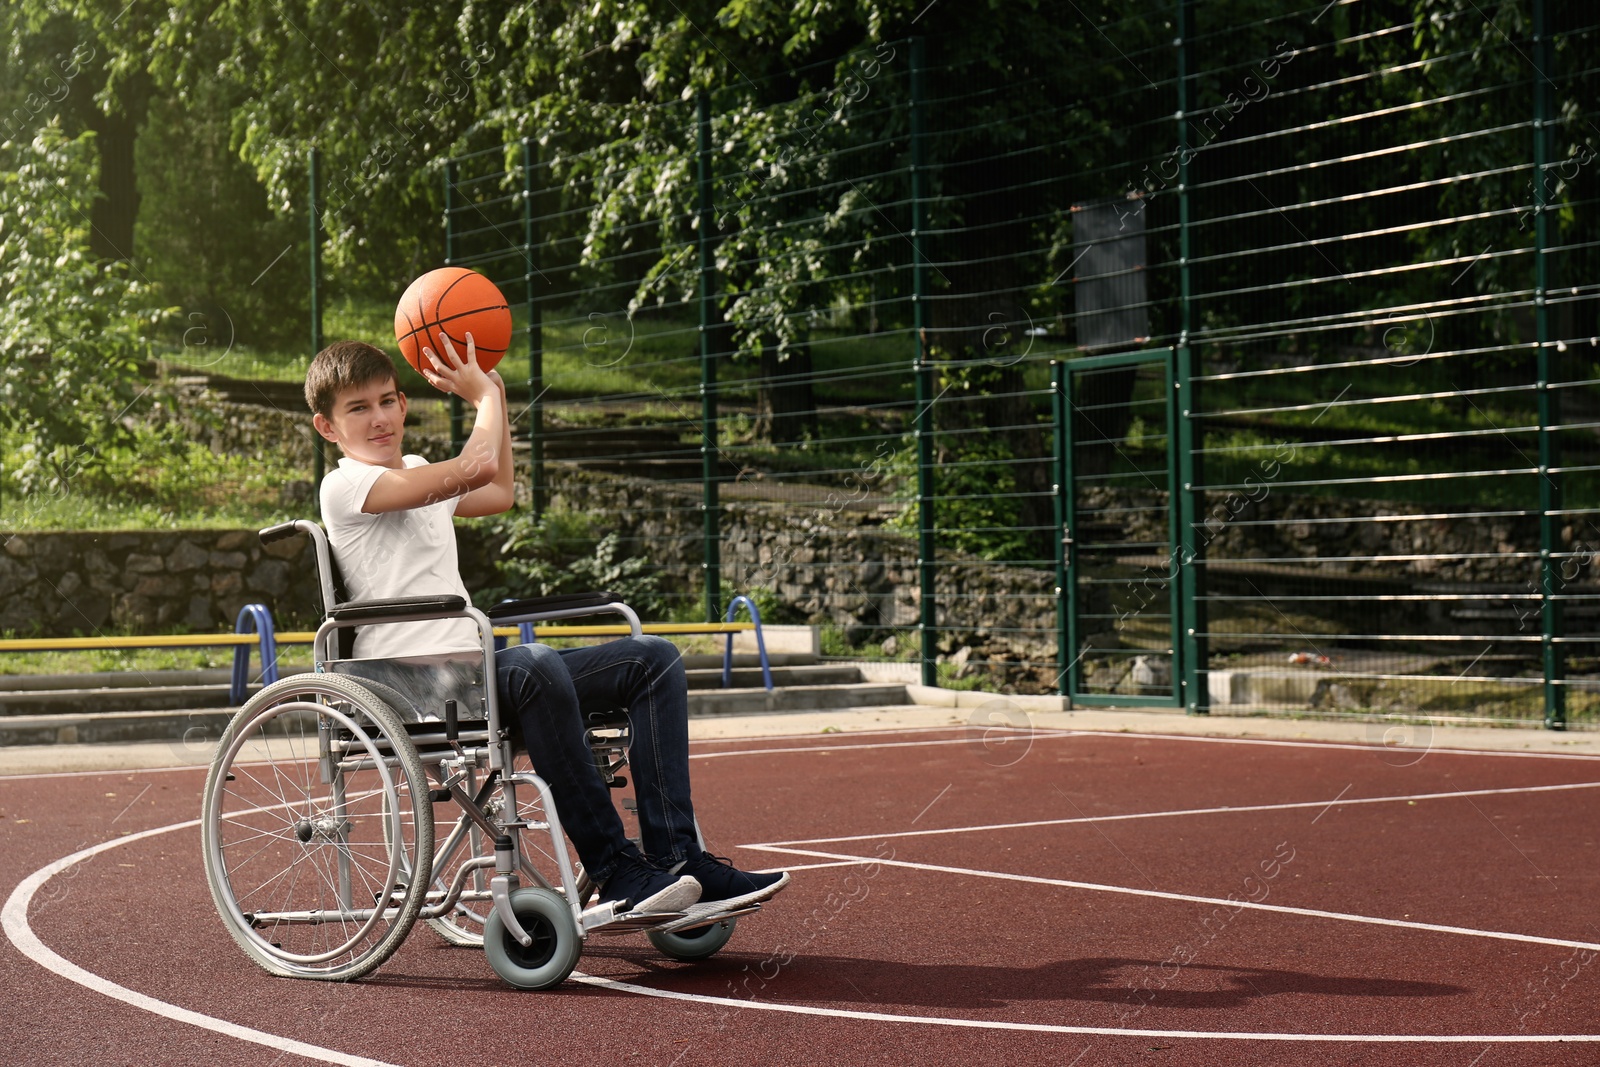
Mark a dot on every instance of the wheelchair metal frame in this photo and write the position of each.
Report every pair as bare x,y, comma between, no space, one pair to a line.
454,754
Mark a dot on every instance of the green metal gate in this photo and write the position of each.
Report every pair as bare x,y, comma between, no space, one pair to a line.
1118,559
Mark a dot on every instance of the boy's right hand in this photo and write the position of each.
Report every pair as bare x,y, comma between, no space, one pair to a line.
464,378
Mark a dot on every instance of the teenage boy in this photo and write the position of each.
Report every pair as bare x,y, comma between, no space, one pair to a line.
388,517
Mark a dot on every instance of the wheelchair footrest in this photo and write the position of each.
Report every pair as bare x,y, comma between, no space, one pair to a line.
605,918
694,920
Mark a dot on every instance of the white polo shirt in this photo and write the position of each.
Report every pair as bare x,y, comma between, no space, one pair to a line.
395,554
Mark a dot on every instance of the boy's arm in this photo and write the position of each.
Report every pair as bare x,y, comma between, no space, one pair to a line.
500,494
481,457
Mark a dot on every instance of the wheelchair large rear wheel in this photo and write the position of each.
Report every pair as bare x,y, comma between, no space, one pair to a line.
317,829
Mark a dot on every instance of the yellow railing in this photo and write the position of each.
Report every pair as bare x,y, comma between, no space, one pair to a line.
305,637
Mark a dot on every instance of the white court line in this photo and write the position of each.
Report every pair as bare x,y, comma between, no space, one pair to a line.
1408,797
811,866
1282,909
4,778
1051,1028
1022,731
1350,745
15,920
898,731
840,748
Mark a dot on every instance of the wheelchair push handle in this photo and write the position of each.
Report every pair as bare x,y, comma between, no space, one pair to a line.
279,532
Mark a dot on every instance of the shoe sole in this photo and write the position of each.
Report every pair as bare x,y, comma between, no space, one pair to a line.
715,907
678,896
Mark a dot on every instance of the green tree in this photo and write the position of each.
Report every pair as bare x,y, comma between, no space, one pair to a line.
72,326
386,94
209,239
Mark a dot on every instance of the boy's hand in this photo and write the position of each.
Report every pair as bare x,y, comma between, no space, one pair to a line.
465,378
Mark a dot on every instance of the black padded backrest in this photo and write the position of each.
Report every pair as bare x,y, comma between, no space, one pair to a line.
346,639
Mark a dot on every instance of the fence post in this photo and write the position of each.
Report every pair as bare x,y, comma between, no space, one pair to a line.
1062,466
536,483
708,368
318,457
1186,568
449,258
922,371
1550,615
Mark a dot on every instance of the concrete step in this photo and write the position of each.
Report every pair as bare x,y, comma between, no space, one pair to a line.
176,690
194,728
794,698
191,729
149,698
28,683
782,677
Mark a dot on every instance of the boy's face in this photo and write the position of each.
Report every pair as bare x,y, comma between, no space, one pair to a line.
368,423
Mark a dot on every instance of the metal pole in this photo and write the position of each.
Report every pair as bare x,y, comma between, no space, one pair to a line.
1186,569
1555,704
1065,601
318,458
921,369
708,367
536,484
456,421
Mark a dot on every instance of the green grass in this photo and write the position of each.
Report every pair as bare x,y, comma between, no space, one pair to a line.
135,660
156,483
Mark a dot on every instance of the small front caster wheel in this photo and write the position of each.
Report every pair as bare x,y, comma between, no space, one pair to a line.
555,948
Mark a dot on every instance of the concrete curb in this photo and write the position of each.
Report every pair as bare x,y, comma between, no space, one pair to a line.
936,697
1410,745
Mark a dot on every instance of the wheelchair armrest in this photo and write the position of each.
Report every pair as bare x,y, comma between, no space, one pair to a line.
402,605
560,602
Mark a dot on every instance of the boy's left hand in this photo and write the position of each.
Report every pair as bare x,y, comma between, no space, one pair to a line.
465,378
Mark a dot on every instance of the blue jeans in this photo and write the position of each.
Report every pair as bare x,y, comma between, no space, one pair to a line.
549,690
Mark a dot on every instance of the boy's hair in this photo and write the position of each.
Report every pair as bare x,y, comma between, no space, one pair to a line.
344,365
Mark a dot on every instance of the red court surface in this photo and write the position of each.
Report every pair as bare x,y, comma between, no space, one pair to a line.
1063,898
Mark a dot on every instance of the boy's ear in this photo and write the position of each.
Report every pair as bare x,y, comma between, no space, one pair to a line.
325,427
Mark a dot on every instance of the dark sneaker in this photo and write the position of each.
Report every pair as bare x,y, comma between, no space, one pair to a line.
637,886
723,884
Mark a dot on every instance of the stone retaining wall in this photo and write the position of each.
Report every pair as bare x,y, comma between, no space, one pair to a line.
58,584
830,564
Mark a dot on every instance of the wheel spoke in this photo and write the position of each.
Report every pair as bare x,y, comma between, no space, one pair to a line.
281,841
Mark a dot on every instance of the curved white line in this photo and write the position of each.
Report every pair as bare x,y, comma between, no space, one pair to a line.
1104,1031
15,912
15,919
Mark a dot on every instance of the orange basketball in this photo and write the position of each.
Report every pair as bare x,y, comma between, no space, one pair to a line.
453,301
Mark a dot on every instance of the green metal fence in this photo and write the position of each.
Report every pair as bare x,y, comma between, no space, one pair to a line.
1261,377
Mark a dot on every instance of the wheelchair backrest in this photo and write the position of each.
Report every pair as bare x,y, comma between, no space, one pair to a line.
330,583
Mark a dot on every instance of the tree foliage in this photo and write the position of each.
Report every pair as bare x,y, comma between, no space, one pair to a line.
72,328
561,552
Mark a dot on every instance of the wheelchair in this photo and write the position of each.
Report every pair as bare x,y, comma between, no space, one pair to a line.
344,805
